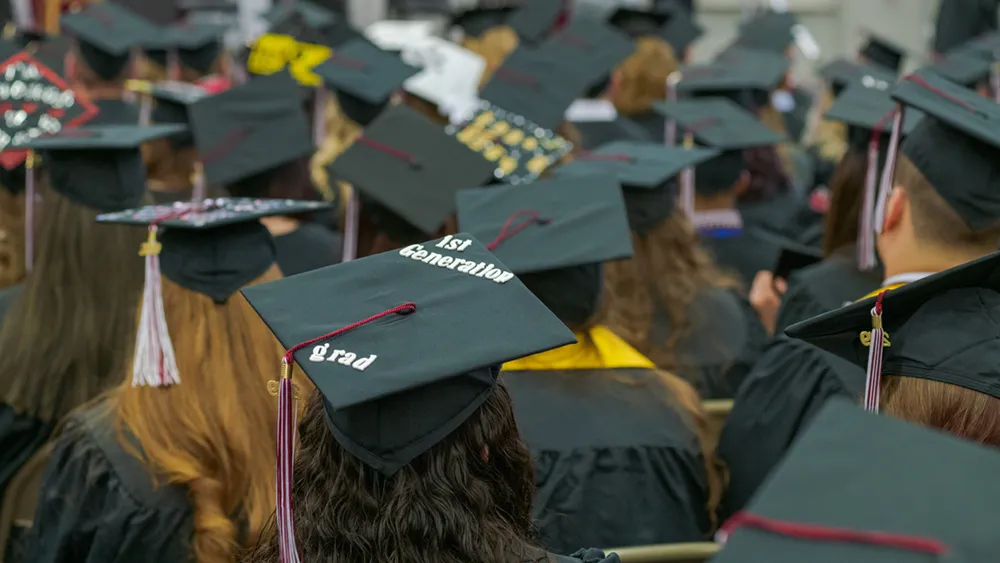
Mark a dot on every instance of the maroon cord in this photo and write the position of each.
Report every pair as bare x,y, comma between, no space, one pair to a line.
404,309
389,150
226,145
508,231
920,81
813,532
701,124
574,40
346,61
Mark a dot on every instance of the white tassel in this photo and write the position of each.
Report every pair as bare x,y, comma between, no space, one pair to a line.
866,235
877,338
154,364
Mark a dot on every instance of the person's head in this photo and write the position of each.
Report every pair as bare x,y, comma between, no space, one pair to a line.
721,181
214,432
642,78
169,166
669,268
494,45
85,283
921,226
467,499
290,180
94,71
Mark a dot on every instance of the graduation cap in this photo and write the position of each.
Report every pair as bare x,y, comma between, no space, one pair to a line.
173,101
792,256
313,15
964,66
449,73
745,75
638,21
106,32
770,31
870,489
251,128
680,32
534,84
213,247
595,48
535,20
478,21
198,46
101,166
412,166
956,146
644,171
841,73
884,53
421,324
521,149
364,78
35,101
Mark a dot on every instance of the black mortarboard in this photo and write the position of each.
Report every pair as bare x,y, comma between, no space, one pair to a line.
638,22
477,21
106,33
198,45
843,72
595,49
867,108
173,101
945,327
396,386
644,171
721,124
99,167
957,145
680,32
218,248
964,66
535,20
747,76
535,84
865,488
884,53
412,166
550,224
250,128
958,22
521,149
792,256
313,15
365,72
769,30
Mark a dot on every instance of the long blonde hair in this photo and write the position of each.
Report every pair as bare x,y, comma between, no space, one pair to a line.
214,433
341,132
643,76
494,45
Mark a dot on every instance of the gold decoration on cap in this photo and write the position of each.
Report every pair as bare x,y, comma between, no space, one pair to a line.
286,373
151,247
866,338
140,86
688,140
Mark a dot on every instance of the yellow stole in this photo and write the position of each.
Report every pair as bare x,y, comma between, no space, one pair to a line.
598,348
889,287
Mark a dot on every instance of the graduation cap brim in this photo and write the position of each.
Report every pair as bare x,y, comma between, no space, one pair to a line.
843,72
364,71
952,104
314,15
108,27
859,106
963,68
463,320
534,20
718,123
581,221
637,164
212,213
103,137
792,255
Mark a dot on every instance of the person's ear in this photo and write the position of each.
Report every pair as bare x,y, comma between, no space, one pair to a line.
896,209
742,183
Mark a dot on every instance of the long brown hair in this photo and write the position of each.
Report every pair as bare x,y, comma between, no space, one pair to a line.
69,335
959,411
847,193
214,433
668,269
643,76
11,238
169,168
449,505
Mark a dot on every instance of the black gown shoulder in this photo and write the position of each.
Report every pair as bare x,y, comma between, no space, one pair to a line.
597,133
722,343
21,435
823,287
309,247
587,556
615,463
115,112
99,504
785,389
742,253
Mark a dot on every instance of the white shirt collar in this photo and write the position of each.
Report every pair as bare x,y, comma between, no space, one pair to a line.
584,111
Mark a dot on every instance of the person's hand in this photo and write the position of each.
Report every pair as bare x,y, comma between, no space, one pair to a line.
765,296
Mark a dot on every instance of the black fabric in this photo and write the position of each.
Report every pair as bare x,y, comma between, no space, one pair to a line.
719,174
21,436
740,252
105,65
478,21
76,175
201,59
721,345
587,556
825,287
99,504
787,387
647,208
358,110
572,294
615,462
220,264
653,123
961,20
597,133
8,296
309,247
115,112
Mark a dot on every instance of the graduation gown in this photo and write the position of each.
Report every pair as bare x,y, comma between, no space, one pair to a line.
586,556
789,385
824,287
615,462
21,435
307,248
98,503
654,124
723,341
115,112
959,21
740,251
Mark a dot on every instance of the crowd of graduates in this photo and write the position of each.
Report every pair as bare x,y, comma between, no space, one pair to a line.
534,286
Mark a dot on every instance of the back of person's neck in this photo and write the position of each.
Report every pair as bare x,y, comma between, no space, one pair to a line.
106,91
720,202
279,225
927,261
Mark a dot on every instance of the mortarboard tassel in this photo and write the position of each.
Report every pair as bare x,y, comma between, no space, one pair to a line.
509,231
687,181
288,551
995,79
670,125
198,190
29,211
875,340
866,229
889,172
319,116
352,213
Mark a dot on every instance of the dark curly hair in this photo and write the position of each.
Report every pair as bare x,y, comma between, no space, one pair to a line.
448,506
